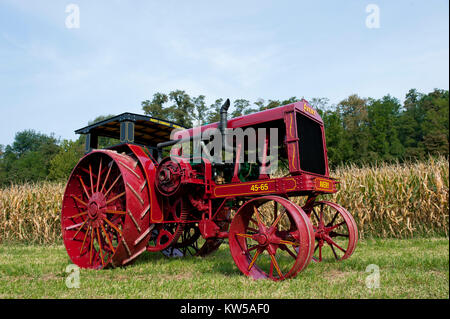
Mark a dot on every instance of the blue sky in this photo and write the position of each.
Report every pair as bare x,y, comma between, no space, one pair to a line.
54,79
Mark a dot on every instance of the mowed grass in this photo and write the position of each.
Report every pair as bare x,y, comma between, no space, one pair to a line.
413,268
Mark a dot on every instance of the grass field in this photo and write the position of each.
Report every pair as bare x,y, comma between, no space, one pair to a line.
413,268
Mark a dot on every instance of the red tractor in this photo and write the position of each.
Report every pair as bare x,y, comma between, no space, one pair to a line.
122,201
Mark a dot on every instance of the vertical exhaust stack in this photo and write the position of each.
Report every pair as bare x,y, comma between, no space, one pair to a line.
223,123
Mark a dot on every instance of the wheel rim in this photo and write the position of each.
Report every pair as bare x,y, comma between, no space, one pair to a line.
98,210
335,231
271,237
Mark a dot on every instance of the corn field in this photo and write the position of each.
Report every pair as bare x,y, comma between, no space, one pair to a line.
400,201
395,200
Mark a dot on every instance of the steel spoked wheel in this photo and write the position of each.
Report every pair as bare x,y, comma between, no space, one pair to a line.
271,237
335,231
102,221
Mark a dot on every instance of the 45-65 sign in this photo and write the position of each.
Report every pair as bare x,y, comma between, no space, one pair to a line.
259,187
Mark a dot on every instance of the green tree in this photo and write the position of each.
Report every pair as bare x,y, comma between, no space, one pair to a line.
62,164
240,106
155,107
435,127
182,110
335,135
273,104
290,100
383,115
214,113
201,110
409,124
355,123
28,158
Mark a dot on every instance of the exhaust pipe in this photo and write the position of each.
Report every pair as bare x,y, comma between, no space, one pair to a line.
223,124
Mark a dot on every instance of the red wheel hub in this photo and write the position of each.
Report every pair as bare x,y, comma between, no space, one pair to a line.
261,239
97,209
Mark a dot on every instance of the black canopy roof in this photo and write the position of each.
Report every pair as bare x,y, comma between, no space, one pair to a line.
147,130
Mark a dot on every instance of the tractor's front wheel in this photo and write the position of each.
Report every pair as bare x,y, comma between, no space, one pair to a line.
271,237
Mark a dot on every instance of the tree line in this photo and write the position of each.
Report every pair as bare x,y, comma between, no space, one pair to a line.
358,130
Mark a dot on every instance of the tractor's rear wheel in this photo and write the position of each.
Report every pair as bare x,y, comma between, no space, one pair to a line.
335,231
271,237
104,219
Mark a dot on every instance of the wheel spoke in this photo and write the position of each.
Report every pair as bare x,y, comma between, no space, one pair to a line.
84,186
81,227
85,236
245,235
321,214
274,225
114,198
78,215
100,247
334,218
79,200
332,242
286,248
287,242
258,218
334,252
315,249
257,253
252,229
113,226
271,269
336,226
90,176
333,234
107,238
110,211
92,243
112,185
275,263
315,214
107,176
99,174
275,210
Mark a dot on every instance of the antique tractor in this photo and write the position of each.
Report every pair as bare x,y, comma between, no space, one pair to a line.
148,194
